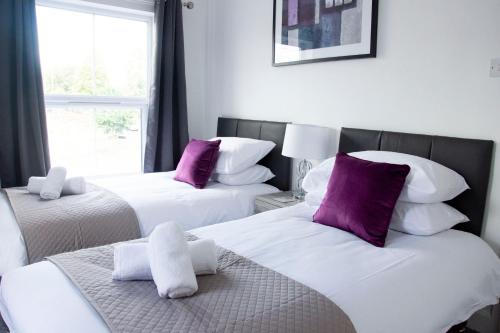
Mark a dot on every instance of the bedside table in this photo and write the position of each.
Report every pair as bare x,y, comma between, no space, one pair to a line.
266,202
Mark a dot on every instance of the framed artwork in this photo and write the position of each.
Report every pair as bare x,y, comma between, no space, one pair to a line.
323,30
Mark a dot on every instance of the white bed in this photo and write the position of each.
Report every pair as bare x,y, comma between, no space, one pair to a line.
156,198
414,284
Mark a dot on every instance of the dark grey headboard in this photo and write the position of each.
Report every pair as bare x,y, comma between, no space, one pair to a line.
471,158
262,130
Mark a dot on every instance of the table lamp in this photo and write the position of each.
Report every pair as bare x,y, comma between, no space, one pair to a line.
307,142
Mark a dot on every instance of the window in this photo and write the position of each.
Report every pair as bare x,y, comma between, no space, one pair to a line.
96,70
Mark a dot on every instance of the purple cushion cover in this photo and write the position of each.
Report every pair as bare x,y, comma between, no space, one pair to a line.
198,162
361,196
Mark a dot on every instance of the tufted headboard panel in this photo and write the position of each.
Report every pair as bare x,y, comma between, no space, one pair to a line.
469,157
262,130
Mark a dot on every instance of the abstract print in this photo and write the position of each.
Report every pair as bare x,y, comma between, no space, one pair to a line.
314,24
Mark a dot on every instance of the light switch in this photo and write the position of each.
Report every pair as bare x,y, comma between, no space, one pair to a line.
495,68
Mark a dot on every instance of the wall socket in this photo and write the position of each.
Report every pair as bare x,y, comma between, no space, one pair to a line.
495,68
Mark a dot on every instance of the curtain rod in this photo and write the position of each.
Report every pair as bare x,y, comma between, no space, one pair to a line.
188,4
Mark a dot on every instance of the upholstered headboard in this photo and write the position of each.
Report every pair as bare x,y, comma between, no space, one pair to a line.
470,158
262,130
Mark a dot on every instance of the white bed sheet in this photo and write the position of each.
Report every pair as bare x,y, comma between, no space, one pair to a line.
156,198
415,284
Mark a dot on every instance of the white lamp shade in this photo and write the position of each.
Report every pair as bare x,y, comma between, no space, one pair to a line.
308,142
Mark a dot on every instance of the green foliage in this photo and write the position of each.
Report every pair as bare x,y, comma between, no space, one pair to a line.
89,81
114,122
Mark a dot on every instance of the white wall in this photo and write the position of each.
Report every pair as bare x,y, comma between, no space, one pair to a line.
431,76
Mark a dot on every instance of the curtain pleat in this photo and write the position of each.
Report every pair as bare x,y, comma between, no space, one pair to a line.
167,130
23,130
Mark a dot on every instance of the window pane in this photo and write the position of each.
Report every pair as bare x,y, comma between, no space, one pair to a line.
95,141
66,47
120,56
93,55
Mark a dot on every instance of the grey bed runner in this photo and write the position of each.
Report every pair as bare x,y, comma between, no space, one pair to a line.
242,297
70,223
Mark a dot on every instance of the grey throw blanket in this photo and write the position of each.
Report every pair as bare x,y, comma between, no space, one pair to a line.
242,297
70,223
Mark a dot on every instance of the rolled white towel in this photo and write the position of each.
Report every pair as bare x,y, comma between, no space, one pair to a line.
204,256
35,184
170,262
53,185
72,186
132,263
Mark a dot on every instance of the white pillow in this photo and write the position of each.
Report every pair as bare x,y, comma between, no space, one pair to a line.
238,154
425,219
256,174
413,218
314,198
428,181
317,178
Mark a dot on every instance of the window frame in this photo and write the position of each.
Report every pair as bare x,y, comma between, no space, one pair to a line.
83,101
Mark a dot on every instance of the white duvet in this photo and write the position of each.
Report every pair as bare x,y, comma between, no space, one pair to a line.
156,198
414,284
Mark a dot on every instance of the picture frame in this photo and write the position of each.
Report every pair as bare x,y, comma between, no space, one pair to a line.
310,31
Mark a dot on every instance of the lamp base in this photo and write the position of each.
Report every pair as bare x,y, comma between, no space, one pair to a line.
303,168
299,194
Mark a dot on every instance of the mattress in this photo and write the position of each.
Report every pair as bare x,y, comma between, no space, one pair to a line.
155,198
414,284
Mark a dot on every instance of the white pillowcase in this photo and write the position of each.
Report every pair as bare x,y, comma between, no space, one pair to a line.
413,218
317,179
428,181
425,219
256,174
238,154
314,199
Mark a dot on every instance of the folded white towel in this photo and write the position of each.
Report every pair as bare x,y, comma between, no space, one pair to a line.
170,262
53,185
72,186
132,263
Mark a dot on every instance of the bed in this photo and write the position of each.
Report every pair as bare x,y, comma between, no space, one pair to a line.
156,198
414,284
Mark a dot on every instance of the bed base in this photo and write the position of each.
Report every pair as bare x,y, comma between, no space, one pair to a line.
3,326
460,328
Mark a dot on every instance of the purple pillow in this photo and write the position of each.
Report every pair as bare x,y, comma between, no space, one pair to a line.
198,162
361,196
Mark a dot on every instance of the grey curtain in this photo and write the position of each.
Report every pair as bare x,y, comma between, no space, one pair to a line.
167,131
23,130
